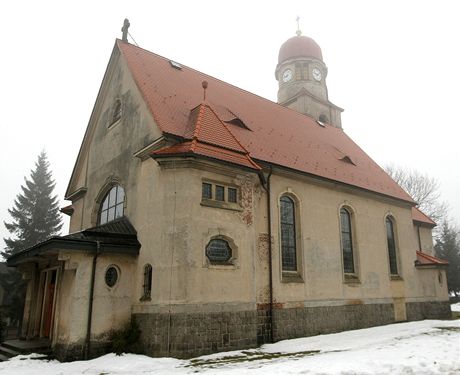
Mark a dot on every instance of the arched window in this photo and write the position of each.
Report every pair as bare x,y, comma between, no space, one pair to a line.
112,205
391,246
347,241
288,234
147,285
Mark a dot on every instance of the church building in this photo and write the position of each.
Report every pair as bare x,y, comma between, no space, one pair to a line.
219,220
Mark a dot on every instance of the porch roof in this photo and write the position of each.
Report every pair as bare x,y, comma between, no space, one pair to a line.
118,236
426,260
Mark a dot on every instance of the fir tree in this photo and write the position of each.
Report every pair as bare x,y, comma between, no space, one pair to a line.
448,247
35,212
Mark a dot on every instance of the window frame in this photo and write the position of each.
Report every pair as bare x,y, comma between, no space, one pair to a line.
354,275
147,282
396,262
295,274
217,261
231,263
115,206
218,203
117,273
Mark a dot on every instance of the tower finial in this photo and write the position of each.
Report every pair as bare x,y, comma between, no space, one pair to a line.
124,29
204,84
298,32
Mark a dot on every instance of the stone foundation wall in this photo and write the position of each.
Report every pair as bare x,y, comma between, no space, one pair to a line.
310,321
428,310
76,351
186,335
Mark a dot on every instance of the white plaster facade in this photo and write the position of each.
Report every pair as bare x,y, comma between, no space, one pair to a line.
164,204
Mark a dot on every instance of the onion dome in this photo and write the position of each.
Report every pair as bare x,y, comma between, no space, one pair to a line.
299,46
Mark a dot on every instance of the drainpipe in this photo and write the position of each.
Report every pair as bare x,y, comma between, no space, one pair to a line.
419,239
90,302
266,185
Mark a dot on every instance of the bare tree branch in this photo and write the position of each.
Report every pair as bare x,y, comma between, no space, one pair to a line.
422,188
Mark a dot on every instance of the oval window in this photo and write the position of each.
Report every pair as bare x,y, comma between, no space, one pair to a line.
218,251
111,276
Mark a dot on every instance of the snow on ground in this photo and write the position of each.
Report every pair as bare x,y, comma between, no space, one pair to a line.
455,307
425,347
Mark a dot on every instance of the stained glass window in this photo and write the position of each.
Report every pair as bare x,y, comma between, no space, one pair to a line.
111,276
218,251
232,197
220,193
347,241
391,247
206,191
288,234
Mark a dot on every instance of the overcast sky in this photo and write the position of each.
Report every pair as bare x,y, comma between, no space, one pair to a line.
394,66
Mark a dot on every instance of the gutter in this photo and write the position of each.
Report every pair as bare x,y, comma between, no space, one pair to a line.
266,185
90,302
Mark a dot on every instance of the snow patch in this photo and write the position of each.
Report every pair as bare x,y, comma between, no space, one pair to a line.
424,347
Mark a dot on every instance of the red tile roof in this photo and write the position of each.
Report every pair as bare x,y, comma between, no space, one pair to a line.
419,217
272,133
206,150
210,137
428,260
206,126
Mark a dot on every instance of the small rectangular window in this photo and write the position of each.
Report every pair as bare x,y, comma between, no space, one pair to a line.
220,193
232,195
206,191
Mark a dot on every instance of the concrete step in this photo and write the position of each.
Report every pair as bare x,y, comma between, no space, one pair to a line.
28,346
8,352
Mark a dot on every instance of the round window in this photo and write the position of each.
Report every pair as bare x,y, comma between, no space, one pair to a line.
111,276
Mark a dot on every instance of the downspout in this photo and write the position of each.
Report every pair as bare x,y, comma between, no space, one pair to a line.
90,301
418,237
266,185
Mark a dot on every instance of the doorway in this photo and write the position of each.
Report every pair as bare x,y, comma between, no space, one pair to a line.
48,286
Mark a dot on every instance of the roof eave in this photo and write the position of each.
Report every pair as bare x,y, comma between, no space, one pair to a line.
54,245
198,156
425,224
430,265
331,181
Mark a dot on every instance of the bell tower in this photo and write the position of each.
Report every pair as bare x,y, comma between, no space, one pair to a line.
301,75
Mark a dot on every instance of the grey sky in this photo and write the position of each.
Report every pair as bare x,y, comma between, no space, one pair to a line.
393,66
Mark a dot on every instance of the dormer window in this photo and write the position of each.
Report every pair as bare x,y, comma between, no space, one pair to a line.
113,205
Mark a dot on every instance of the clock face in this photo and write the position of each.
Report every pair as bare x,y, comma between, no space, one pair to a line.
287,75
317,74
